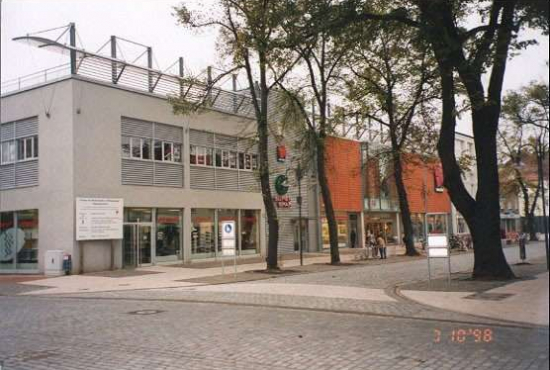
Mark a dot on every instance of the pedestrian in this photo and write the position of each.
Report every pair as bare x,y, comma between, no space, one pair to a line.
381,243
372,244
353,238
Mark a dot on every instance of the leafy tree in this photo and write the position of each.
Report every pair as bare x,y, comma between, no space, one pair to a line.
478,56
251,37
393,82
525,113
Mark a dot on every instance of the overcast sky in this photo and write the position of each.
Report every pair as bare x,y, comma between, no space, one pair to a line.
151,22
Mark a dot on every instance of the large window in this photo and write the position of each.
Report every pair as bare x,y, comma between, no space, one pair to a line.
147,149
203,233
168,244
249,232
19,240
204,156
19,150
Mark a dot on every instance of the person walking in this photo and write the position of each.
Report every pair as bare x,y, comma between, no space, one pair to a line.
381,244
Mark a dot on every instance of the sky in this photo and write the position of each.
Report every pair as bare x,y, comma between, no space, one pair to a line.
151,22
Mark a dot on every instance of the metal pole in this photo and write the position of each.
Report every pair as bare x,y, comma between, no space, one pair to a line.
113,64
180,62
299,178
150,66
543,196
72,43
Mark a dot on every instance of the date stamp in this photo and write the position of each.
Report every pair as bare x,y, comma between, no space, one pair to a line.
464,335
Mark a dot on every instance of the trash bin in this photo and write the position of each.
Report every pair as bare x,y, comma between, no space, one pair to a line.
53,265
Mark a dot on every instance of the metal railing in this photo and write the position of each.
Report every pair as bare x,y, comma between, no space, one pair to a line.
35,79
126,75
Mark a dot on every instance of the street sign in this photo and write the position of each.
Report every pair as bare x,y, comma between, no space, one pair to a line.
438,247
228,238
99,218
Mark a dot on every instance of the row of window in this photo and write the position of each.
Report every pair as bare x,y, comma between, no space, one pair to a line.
19,150
203,156
148,149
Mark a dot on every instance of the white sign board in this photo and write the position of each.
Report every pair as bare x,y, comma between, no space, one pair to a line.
99,218
438,252
228,238
437,241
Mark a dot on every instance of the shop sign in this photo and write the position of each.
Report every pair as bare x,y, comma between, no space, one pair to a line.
228,238
281,184
99,218
11,242
281,153
282,201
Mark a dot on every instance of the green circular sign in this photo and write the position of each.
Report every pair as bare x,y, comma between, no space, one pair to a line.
281,184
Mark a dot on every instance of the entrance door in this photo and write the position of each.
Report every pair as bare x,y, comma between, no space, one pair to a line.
137,245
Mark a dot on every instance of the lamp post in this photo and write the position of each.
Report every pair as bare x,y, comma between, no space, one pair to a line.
540,155
299,175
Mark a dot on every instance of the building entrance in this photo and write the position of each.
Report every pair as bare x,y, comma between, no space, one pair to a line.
137,244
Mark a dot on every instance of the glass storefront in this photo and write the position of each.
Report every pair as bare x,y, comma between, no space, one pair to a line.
19,240
342,232
202,233
168,245
204,230
249,232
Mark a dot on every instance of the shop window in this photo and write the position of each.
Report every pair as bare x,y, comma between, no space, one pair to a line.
168,151
249,232
218,158
203,233
200,156
232,159
19,240
225,158
208,156
168,246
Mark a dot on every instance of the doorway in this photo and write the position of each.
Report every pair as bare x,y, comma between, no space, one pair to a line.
138,247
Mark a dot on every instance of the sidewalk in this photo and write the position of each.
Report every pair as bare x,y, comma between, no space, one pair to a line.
525,300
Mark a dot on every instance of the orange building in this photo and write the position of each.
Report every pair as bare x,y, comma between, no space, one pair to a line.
365,198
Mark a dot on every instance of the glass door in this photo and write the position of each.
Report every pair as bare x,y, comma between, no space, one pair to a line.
137,245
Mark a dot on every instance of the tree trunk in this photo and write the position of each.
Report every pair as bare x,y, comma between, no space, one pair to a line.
530,221
270,210
403,205
490,262
327,200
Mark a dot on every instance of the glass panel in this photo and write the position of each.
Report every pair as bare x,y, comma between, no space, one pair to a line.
218,158
202,233
200,155
241,161
158,150
144,235
35,142
248,162
7,240
418,226
226,215
225,158
136,147
20,149
129,241
254,162
168,245
209,157
28,148
168,152
233,159
249,232
177,153
193,154
146,149
342,233
27,248
125,146
138,215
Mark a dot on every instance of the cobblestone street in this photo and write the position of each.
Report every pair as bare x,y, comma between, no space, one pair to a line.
221,327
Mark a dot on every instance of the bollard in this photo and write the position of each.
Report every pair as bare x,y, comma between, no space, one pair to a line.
522,252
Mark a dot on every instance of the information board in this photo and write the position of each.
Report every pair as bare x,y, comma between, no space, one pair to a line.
99,218
228,238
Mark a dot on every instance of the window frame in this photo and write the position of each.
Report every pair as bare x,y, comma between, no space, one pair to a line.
14,146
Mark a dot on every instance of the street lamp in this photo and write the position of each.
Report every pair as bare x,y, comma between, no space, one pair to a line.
299,175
